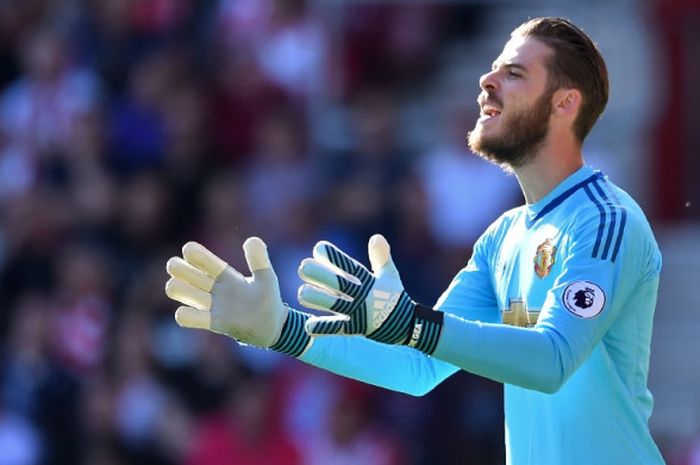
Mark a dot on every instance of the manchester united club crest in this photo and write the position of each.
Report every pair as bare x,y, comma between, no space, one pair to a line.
545,258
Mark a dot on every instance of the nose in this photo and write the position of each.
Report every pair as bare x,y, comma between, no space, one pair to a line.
488,81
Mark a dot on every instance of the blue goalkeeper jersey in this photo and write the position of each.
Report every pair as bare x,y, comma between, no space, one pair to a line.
557,303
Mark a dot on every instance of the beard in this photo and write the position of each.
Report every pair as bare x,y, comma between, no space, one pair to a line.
521,134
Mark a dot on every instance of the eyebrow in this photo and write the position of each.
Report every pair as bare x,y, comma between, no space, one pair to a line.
510,66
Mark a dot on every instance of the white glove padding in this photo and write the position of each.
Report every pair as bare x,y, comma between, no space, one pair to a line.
222,300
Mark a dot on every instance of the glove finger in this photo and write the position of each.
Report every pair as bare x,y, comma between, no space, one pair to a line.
317,273
187,294
180,269
200,257
380,256
326,325
320,299
324,251
256,256
189,317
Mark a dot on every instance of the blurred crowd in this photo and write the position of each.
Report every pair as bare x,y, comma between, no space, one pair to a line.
129,127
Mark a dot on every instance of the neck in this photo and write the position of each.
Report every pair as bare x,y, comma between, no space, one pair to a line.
547,169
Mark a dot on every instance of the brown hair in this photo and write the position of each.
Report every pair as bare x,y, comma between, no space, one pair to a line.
576,62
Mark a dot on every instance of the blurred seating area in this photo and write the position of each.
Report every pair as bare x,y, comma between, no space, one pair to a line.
128,127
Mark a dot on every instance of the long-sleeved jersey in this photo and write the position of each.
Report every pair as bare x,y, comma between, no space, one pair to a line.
557,303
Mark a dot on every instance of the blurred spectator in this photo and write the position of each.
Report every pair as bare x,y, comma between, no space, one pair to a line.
279,176
205,385
144,206
291,52
358,184
144,210
107,42
36,389
89,185
34,227
82,308
307,398
351,437
174,432
246,432
285,40
97,415
137,129
388,45
140,399
300,225
40,109
223,214
241,98
189,156
414,246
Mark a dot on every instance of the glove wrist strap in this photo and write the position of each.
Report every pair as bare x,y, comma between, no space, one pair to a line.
426,329
411,324
293,340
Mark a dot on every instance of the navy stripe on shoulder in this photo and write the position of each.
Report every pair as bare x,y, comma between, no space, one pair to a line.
620,234
613,219
601,224
623,220
609,206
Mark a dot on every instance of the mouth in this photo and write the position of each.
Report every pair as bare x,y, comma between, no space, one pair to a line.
490,106
489,113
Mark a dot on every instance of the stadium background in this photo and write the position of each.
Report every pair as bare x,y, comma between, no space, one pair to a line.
130,126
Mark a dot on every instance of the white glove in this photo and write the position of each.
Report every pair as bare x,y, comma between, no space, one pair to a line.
220,299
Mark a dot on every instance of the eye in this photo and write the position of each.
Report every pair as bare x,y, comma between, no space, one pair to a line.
513,74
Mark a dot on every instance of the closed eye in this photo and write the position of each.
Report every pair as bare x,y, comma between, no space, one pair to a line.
516,70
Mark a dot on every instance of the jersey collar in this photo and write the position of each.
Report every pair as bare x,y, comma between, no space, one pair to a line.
564,190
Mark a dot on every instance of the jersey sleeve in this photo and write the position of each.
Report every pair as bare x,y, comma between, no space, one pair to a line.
587,296
401,368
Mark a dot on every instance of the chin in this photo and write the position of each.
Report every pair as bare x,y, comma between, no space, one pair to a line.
489,149
477,141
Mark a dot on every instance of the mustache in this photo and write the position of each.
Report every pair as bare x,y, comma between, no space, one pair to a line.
489,98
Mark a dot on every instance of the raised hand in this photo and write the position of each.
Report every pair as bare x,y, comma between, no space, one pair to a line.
218,298
371,303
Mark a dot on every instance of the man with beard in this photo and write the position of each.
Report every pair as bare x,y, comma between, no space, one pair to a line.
556,302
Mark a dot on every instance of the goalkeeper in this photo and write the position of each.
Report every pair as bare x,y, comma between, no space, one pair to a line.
556,302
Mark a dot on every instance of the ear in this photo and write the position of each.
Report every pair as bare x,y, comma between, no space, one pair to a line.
566,102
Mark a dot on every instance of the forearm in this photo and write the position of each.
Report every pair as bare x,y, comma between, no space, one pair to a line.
398,368
533,358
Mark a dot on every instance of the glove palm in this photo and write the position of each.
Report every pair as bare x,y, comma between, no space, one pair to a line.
220,299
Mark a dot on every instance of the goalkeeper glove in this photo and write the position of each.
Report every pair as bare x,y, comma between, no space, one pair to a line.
220,299
373,304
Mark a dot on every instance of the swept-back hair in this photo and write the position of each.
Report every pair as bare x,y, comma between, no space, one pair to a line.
576,62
